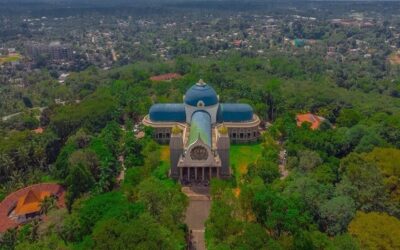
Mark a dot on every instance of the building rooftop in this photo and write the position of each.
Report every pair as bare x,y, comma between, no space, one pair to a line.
22,197
168,112
315,120
200,128
202,93
234,112
30,202
165,77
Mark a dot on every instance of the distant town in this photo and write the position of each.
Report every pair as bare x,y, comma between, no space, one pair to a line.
169,124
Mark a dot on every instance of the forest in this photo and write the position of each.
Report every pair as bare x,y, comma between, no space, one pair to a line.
77,122
342,191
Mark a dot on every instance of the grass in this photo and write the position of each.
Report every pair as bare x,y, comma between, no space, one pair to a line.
241,156
162,170
10,58
49,179
164,149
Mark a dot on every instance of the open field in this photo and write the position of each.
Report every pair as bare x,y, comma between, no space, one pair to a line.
242,155
10,58
394,59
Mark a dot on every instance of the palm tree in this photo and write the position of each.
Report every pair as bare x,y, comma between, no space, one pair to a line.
48,203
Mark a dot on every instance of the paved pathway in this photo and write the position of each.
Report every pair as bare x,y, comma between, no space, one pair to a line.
197,213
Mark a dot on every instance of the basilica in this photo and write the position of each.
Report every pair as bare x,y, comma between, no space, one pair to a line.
199,132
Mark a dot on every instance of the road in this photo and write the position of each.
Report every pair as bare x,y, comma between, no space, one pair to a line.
7,117
197,213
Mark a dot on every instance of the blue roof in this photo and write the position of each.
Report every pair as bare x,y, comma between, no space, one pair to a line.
200,127
201,92
168,112
234,112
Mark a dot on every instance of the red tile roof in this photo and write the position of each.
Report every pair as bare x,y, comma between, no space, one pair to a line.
31,202
27,196
315,120
39,130
165,77
237,43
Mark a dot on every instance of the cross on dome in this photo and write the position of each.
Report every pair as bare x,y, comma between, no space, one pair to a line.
201,82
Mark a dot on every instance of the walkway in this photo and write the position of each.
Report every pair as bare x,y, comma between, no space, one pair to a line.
197,213
282,164
121,176
7,117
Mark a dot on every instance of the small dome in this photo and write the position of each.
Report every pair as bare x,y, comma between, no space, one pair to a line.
201,94
234,112
168,112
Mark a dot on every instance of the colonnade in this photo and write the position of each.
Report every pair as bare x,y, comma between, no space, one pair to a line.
198,173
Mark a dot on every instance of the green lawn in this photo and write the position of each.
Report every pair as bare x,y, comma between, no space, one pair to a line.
162,170
6,59
241,155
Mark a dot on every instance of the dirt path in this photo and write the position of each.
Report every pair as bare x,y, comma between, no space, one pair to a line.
197,213
282,164
121,176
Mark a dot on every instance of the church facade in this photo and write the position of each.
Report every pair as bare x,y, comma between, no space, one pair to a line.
199,132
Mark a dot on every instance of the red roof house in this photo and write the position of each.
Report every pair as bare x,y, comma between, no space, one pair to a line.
18,207
315,120
166,77
39,130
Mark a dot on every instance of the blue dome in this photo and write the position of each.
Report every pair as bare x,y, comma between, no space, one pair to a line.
234,112
168,112
201,92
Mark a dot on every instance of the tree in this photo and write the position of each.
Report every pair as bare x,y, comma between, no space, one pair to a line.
253,237
107,235
376,230
278,214
387,160
132,150
221,225
272,96
163,200
88,159
247,193
345,241
113,234
336,214
48,203
348,118
369,141
49,242
312,193
9,239
267,170
308,160
78,182
362,181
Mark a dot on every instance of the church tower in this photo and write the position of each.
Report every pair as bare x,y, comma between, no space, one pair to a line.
176,150
223,146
